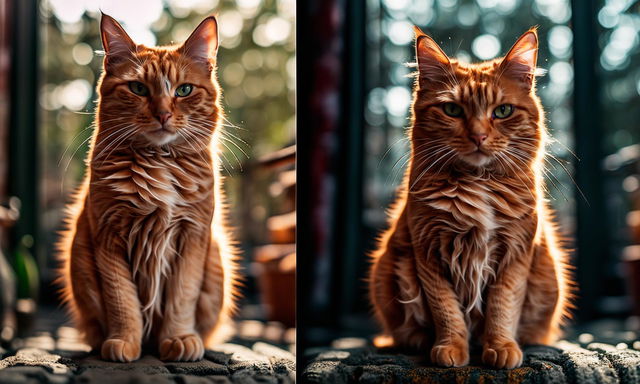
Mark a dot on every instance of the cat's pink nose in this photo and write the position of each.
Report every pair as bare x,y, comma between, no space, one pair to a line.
478,139
163,117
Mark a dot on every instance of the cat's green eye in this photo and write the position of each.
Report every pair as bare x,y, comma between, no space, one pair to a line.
503,111
138,88
184,90
452,109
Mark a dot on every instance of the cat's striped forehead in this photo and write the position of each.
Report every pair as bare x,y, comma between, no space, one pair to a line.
161,70
476,86
483,95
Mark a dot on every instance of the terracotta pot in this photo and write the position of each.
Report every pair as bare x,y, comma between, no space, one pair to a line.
633,222
631,260
277,280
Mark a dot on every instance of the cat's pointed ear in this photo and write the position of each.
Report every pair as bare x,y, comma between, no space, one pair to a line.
118,46
433,63
520,63
202,45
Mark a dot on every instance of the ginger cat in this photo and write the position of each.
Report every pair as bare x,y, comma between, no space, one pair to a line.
471,252
146,254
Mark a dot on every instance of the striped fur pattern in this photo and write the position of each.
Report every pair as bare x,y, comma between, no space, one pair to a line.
471,254
147,258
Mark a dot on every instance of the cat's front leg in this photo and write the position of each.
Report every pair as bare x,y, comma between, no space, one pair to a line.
451,347
121,303
504,305
178,338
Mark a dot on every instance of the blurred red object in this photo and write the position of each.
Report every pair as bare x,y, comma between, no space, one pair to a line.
275,264
631,260
277,281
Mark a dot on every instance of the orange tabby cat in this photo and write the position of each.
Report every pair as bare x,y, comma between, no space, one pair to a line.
146,255
471,252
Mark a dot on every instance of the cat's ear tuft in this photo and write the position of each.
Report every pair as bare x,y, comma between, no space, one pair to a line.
118,46
520,63
433,63
202,45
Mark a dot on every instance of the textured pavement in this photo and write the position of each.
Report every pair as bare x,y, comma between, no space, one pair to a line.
62,358
564,363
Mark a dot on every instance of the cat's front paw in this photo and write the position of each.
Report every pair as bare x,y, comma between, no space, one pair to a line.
182,348
120,350
454,354
506,354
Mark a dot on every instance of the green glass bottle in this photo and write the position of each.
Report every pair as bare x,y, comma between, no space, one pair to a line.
26,270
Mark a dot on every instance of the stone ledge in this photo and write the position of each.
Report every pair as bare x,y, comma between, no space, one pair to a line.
259,352
564,363
227,363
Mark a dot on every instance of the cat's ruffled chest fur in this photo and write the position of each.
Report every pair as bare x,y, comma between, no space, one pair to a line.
149,183
159,199
469,217
485,204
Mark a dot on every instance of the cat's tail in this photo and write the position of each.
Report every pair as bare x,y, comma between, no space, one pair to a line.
222,282
220,291
557,247
63,250
84,312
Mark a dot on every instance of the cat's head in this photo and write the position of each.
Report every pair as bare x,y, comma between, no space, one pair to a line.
158,95
484,115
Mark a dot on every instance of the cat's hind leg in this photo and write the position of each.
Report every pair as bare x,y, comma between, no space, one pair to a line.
414,331
81,287
545,300
215,302
383,295
397,301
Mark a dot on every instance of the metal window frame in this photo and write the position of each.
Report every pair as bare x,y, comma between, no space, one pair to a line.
592,234
23,119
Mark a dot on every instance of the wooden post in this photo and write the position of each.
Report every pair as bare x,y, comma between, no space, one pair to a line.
592,230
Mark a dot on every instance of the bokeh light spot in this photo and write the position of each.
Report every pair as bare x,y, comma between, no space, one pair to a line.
67,11
560,41
485,47
277,30
400,32
233,74
561,73
230,23
396,5
468,15
74,94
252,59
82,53
397,100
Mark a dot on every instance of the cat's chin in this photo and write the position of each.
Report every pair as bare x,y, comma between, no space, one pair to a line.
160,137
476,159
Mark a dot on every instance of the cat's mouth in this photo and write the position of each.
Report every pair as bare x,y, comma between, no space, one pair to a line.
161,136
478,157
